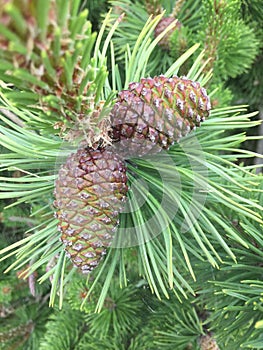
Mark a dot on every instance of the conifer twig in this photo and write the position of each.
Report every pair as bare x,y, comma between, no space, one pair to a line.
12,117
259,160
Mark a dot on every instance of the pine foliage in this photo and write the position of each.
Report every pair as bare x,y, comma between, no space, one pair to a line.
47,55
63,330
230,43
23,312
185,266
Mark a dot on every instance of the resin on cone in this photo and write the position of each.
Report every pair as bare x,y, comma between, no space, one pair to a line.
154,113
90,192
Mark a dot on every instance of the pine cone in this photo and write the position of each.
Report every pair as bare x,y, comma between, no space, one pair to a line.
156,112
90,192
161,26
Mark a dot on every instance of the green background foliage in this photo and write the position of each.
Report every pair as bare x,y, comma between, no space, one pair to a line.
172,290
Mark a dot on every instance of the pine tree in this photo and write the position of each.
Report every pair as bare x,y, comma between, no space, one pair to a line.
170,236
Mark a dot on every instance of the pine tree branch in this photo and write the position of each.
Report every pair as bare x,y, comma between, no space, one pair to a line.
259,161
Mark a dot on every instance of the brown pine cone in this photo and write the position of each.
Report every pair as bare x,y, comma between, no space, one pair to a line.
156,112
90,192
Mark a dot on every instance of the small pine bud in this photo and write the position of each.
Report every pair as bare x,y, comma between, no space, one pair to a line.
164,43
207,342
153,7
